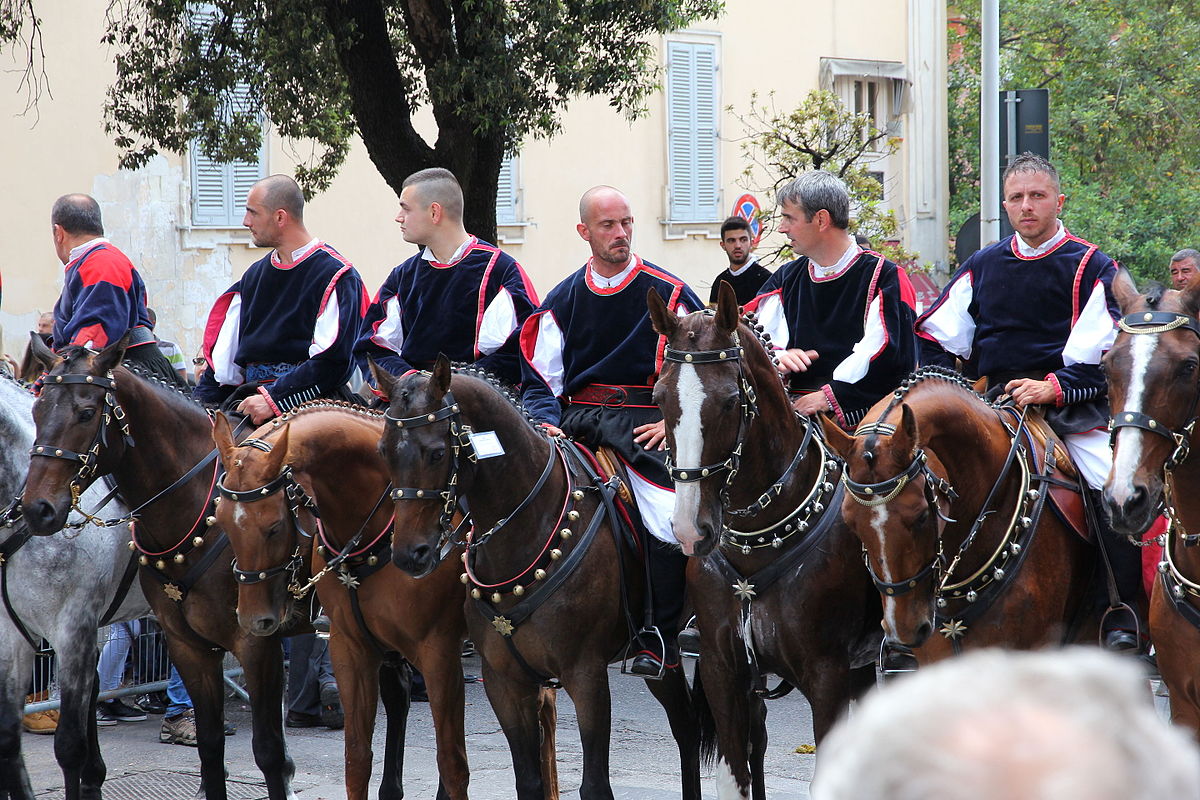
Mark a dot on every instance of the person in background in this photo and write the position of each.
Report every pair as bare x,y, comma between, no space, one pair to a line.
743,273
169,349
1184,265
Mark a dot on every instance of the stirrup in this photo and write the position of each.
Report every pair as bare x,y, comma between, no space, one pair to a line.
321,623
631,653
1122,611
886,661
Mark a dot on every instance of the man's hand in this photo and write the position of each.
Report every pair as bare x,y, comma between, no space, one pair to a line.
1028,392
795,360
256,408
651,436
811,403
552,430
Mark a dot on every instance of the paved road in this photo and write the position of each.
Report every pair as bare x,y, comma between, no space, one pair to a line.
644,760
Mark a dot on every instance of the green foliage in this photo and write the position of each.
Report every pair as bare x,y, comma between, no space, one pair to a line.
820,133
1124,107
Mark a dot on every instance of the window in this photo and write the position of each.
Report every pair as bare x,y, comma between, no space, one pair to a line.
692,152
219,190
508,192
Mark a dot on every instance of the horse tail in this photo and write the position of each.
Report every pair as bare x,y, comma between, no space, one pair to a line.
706,723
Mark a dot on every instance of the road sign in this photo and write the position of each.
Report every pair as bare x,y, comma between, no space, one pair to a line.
747,208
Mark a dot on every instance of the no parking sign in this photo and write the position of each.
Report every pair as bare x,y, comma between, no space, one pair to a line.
747,208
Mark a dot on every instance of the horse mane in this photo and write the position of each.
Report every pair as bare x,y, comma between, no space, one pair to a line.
172,393
498,386
1154,294
750,321
916,378
325,404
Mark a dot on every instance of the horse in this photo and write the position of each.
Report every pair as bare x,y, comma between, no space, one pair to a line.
39,604
1153,387
95,417
545,551
317,470
776,579
953,519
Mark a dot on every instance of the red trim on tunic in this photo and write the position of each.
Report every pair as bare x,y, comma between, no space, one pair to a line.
104,265
1058,392
482,305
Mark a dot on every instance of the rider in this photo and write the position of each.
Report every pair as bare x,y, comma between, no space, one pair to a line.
1035,312
842,316
103,296
460,295
290,323
589,357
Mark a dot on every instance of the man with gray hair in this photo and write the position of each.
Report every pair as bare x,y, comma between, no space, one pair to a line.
103,297
841,317
1184,265
287,328
459,295
1009,725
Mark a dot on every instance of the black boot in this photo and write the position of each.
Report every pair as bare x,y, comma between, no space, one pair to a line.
1122,623
654,646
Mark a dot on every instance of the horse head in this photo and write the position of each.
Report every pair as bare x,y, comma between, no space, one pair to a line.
1153,388
81,433
891,508
420,446
256,510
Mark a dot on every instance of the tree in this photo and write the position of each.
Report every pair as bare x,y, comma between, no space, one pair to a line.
1124,109
491,73
820,133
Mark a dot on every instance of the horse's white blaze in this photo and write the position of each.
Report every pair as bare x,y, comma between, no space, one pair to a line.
239,515
1128,444
727,785
689,445
879,518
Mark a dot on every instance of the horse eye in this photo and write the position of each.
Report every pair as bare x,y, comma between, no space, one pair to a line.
730,402
437,455
923,518
87,414
1187,369
273,530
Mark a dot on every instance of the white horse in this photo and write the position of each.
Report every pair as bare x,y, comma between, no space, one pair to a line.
59,588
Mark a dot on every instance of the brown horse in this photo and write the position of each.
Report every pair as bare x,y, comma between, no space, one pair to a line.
96,418
1153,386
322,473
545,562
777,583
959,537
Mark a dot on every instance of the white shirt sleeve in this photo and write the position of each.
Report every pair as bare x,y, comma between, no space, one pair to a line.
1093,333
951,324
548,352
774,321
225,370
499,321
390,333
856,365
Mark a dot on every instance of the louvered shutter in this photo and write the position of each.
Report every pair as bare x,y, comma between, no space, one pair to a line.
692,150
507,210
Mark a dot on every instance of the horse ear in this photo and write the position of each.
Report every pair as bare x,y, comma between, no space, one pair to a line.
440,383
40,351
661,317
1124,290
980,386
841,442
110,357
279,450
222,434
727,308
907,429
384,380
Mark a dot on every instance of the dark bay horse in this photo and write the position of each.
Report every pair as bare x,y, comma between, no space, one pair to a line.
544,563
1153,373
778,582
965,551
326,454
36,602
95,418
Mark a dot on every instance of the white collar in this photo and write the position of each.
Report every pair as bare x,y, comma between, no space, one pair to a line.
842,263
1043,248
76,252
750,262
608,283
428,255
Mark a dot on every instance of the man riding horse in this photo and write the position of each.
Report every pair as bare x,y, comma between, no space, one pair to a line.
1034,313
589,359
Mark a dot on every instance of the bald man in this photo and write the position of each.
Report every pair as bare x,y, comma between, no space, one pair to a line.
287,329
459,295
589,361
103,297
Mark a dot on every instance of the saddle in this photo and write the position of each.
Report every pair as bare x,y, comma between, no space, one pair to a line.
608,464
1064,486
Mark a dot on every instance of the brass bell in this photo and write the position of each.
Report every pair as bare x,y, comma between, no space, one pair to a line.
321,550
518,590
179,558
577,495
496,597
210,521
555,554
197,541
465,578
572,515
372,561
565,533
131,545
143,560
160,564
475,594
539,575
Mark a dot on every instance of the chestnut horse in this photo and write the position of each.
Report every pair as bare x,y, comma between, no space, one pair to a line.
545,562
1153,386
777,581
95,418
313,480
954,522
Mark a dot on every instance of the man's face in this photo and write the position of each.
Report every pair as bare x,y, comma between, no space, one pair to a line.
609,229
798,228
262,221
415,216
1182,272
1033,204
736,244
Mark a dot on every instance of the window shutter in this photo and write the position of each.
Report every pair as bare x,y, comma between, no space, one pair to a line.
692,131
507,210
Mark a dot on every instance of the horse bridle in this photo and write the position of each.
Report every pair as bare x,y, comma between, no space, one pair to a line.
882,492
1153,322
284,482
